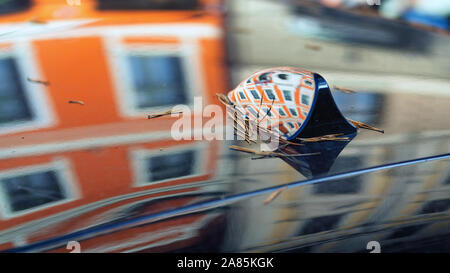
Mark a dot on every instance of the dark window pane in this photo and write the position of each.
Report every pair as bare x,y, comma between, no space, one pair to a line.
270,94
319,224
242,95
29,191
342,186
305,100
158,80
255,94
287,95
171,166
293,111
264,77
435,206
308,83
281,112
13,104
406,231
9,6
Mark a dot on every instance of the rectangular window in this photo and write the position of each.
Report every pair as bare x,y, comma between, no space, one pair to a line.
293,111
281,112
287,95
349,185
320,224
306,99
32,190
172,165
158,81
13,103
435,206
270,94
406,231
308,82
242,95
255,94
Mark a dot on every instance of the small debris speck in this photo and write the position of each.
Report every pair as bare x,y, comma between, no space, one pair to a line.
76,102
46,83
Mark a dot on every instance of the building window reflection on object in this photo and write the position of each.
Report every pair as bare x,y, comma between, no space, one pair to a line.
322,223
162,165
158,81
13,103
363,107
270,94
349,185
406,231
435,206
255,94
287,95
31,188
305,100
174,165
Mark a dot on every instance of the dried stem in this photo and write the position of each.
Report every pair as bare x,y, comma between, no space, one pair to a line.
364,126
76,102
166,113
273,195
345,90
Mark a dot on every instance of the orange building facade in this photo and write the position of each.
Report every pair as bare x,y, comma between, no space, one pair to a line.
76,148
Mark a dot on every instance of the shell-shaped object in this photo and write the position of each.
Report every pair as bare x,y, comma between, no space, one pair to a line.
289,93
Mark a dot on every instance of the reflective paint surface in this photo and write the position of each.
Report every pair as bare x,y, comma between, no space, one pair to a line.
102,174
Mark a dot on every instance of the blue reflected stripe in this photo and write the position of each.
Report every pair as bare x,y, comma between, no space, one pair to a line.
207,205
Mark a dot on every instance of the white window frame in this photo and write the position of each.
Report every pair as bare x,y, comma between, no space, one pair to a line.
118,51
35,94
65,178
140,157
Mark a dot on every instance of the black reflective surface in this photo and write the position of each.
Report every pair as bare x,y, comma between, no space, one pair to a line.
100,173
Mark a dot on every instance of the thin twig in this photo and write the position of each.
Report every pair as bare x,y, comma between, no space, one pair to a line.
313,47
76,102
46,83
334,137
364,126
273,195
259,109
270,108
344,90
168,112
266,153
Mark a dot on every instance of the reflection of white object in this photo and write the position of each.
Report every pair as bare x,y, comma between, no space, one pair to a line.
433,7
75,246
374,246
73,2
393,9
31,30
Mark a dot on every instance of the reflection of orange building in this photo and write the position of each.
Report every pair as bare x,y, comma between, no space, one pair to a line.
66,166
